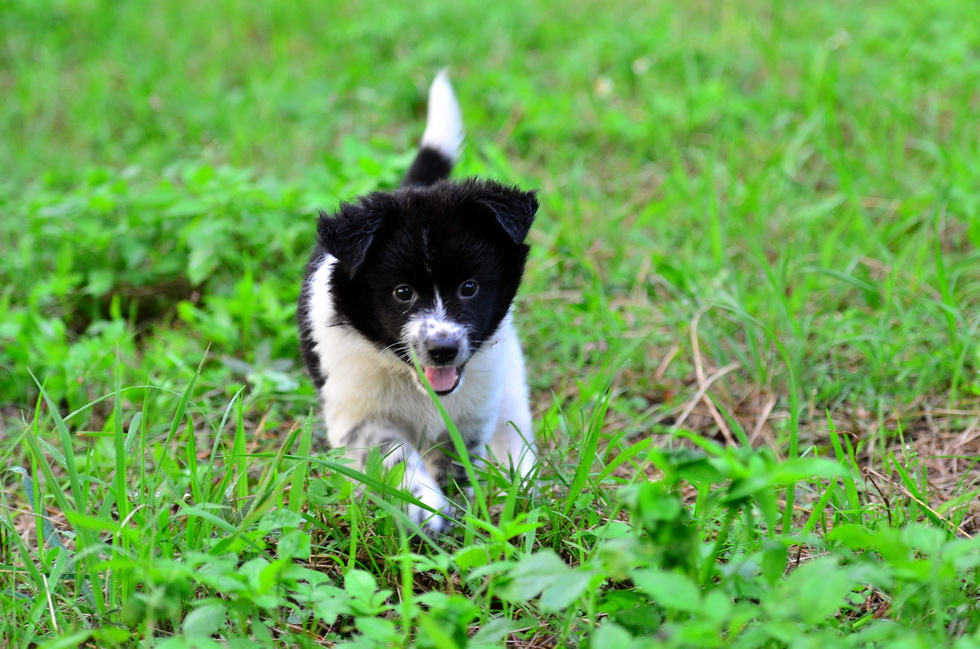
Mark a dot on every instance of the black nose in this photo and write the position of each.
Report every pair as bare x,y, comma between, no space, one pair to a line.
442,349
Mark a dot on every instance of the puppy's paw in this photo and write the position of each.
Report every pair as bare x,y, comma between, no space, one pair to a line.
433,524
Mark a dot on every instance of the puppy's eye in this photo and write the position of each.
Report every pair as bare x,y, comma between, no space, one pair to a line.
404,293
468,288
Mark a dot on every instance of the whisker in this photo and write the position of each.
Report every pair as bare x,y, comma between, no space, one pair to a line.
398,347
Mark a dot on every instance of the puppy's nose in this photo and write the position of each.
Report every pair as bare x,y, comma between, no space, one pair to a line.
442,349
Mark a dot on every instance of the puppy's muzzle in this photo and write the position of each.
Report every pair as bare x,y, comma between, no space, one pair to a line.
442,349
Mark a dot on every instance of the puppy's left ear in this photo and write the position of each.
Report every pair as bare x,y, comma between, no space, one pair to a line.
513,208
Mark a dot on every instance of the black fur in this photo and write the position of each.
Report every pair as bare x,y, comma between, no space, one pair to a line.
348,235
443,234
429,167
473,229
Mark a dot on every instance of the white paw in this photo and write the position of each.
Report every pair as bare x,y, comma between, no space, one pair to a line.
433,524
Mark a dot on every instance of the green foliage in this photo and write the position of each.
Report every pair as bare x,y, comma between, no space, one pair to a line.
715,573
759,223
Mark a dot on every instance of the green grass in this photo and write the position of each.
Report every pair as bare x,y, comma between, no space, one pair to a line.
750,317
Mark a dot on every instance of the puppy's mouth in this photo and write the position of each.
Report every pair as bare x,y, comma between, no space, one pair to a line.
444,380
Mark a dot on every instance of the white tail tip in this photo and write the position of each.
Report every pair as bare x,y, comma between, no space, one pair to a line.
444,122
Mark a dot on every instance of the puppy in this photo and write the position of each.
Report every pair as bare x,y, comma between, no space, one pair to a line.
425,275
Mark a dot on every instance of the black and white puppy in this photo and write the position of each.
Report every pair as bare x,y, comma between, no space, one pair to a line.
426,273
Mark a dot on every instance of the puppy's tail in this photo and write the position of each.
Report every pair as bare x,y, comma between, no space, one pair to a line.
442,138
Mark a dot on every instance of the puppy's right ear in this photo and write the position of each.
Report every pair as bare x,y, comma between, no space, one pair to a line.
349,234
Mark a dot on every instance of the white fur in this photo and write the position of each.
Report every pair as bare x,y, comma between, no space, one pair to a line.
433,322
366,387
444,121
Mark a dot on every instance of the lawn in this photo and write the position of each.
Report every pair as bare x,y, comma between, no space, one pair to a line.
750,317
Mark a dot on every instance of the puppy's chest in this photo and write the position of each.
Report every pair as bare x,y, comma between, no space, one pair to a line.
385,395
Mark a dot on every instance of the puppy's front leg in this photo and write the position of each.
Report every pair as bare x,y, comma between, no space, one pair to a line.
395,448
475,432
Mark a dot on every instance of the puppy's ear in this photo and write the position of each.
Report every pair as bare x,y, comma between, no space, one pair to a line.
349,234
513,208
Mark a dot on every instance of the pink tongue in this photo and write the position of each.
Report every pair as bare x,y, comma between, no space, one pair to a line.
442,379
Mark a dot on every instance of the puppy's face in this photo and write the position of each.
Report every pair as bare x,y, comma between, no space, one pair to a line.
430,273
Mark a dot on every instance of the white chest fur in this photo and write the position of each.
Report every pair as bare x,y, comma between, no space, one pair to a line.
364,383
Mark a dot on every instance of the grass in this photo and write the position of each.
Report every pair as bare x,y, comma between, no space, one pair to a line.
750,317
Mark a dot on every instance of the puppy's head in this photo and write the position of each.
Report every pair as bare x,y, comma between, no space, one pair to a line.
429,273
